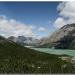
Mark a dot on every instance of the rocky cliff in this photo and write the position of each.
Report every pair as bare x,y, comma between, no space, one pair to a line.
63,38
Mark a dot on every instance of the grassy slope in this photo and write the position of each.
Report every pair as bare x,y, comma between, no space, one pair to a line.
15,58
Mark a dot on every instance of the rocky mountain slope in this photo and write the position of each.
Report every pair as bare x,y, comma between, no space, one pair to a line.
24,40
64,38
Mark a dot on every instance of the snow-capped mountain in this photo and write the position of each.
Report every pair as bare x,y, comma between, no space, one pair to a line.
24,40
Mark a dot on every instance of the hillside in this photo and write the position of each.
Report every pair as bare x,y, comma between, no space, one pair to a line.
64,38
15,58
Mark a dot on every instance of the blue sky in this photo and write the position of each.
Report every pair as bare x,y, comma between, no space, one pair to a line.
41,15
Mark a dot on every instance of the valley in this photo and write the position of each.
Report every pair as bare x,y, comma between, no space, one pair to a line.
15,58
37,37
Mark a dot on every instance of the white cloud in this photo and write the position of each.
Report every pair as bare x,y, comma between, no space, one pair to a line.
41,29
66,12
10,27
59,22
67,9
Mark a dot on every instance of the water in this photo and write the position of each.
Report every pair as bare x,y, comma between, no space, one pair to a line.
56,51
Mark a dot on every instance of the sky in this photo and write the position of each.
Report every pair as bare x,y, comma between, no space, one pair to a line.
34,19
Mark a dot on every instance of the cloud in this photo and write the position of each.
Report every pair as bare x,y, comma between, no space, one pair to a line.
9,27
66,12
41,29
67,9
59,22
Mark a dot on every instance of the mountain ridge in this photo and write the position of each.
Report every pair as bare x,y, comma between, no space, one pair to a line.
62,38
24,40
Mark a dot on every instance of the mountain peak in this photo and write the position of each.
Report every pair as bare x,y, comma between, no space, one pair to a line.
63,38
24,40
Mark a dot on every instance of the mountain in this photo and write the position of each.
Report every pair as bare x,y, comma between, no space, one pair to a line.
14,58
12,38
64,38
24,40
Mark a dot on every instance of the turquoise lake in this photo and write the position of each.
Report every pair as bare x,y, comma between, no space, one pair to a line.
56,51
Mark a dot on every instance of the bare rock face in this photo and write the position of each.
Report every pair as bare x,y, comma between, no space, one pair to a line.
63,38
